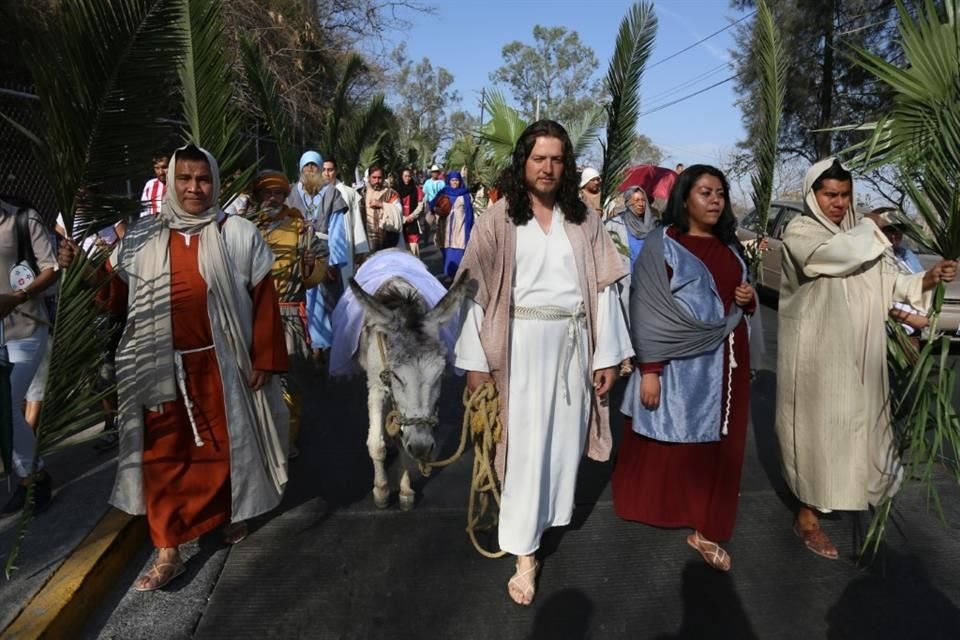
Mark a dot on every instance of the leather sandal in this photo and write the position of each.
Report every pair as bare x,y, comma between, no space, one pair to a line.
524,583
711,552
816,541
159,575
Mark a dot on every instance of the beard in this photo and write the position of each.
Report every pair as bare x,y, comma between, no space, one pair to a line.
312,182
543,191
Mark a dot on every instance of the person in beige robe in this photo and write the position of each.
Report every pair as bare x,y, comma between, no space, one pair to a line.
833,416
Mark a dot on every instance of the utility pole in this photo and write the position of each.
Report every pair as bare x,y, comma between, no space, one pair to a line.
537,111
483,103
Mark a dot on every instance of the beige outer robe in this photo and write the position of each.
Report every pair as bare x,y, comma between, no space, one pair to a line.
833,415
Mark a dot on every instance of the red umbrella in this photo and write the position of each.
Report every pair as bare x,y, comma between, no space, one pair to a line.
656,181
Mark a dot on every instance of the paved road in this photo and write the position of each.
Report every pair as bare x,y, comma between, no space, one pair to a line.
329,564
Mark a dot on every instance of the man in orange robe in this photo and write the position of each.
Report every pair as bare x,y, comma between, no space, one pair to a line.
203,327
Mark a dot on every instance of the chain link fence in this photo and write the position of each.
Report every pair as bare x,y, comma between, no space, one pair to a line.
20,173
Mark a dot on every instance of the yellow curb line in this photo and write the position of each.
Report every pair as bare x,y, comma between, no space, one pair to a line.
61,607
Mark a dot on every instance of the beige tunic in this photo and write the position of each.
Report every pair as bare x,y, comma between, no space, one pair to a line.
833,417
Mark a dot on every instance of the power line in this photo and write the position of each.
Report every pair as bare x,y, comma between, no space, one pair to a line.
688,96
685,85
702,40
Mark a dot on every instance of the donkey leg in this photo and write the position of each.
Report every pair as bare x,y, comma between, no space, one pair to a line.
407,495
377,447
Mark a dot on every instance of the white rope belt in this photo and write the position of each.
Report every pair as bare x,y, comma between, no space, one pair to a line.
733,365
575,319
182,385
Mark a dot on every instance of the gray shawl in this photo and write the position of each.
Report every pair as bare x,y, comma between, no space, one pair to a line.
639,226
661,327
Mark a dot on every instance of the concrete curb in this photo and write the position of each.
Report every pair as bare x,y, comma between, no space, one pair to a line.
61,607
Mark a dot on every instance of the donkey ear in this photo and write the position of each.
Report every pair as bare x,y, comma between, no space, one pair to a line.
375,314
451,302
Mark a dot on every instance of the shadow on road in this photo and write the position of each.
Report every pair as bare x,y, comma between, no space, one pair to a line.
893,599
711,607
565,614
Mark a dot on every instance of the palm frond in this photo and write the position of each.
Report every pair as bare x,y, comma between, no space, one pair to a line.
367,127
90,67
213,120
500,133
634,45
583,134
920,137
340,110
772,72
274,112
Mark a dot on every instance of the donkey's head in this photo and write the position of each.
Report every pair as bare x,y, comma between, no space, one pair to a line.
415,355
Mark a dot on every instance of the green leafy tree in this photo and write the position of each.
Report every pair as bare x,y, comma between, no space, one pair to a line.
646,152
557,69
425,95
826,88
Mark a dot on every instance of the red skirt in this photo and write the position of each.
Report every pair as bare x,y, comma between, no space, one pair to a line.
695,485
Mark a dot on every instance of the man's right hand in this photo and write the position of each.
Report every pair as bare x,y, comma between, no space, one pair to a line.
650,390
476,379
67,253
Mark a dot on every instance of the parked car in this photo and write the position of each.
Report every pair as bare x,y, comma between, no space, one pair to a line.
782,212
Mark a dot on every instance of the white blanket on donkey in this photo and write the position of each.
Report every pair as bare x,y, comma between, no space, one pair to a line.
348,315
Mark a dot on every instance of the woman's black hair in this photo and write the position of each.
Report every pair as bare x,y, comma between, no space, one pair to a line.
513,186
676,211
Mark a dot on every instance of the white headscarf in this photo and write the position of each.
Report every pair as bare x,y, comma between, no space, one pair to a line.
813,207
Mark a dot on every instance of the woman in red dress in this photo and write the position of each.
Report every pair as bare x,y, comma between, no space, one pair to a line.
682,452
411,197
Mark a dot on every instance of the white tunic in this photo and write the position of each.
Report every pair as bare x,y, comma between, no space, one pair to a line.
550,383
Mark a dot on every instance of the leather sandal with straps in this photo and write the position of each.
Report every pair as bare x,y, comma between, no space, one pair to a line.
159,575
525,583
711,552
235,533
816,541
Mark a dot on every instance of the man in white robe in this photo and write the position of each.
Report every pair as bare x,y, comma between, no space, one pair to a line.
833,413
545,326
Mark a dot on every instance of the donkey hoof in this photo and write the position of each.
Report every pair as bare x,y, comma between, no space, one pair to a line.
381,497
407,501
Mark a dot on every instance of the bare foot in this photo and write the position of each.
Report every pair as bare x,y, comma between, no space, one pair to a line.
523,585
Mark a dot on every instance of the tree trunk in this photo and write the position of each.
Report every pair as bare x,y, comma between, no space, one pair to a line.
823,137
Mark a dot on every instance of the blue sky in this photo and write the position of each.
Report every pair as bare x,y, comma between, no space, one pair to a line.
466,37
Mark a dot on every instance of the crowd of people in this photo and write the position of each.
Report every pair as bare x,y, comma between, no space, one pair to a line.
566,299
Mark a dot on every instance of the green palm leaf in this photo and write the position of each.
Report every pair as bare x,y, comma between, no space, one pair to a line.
499,135
213,120
583,134
634,45
340,111
368,127
920,137
275,114
772,73
90,68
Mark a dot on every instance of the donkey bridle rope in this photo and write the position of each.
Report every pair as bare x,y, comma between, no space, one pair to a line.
481,417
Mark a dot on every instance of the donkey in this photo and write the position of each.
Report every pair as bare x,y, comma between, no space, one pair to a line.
404,358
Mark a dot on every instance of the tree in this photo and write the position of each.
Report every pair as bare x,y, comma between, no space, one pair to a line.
557,69
646,152
826,88
425,93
